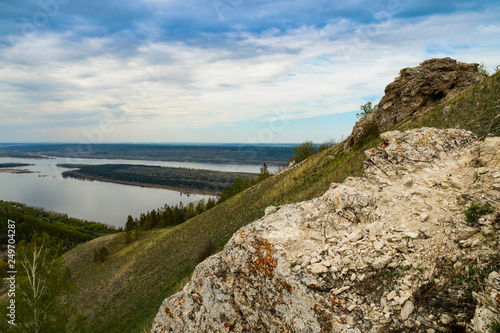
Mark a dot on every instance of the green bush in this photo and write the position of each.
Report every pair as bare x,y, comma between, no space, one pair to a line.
495,326
101,254
304,150
370,132
365,110
475,211
483,70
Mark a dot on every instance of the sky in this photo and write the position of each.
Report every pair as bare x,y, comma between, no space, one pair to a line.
241,71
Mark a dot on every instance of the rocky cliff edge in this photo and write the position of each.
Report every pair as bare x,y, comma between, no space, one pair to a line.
414,91
389,252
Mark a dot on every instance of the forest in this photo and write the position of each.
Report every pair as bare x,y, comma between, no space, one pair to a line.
203,153
183,179
13,165
29,220
169,216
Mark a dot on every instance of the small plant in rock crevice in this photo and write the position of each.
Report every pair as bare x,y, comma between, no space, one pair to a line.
495,326
475,211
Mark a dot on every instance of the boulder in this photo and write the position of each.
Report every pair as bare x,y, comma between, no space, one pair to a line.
416,90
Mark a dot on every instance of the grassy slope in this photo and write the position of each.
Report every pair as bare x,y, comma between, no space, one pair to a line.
124,293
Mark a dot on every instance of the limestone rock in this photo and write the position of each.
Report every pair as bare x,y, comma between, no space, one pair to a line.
381,262
323,265
318,269
355,235
270,210
407,310
489,304
416,90
466,233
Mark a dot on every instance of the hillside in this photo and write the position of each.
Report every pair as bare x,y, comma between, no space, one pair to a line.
30,220
123,294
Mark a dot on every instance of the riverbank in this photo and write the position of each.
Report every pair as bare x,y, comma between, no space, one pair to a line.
20,171
191,181
80,176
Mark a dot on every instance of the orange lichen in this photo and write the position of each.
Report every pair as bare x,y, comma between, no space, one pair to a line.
229,325
265,262
287,286
167,311
179,301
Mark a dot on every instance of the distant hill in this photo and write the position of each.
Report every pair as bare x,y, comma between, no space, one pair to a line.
203,153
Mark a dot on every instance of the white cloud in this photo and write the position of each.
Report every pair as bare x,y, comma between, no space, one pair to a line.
181,86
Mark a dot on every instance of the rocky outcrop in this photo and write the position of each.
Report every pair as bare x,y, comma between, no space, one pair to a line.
388,252
416,90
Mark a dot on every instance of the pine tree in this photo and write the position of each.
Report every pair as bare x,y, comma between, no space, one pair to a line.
129,226
264,173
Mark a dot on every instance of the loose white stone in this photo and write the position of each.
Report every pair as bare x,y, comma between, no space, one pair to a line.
381,262
378,245
355,235
318,268
407,310
391,295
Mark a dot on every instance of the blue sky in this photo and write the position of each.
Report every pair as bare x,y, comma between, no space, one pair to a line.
218,70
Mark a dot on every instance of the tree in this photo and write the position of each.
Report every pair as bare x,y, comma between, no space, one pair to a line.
365,110
136,228
238,186
101,254
304,150
327,144
264,173
211,203
44,289
129,226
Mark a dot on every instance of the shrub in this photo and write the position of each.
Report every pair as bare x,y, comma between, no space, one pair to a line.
101,254
495,326
327,144
370,132
304,150
365,110
483,70
475,211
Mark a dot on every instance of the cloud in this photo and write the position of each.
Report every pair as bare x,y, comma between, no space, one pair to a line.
163,72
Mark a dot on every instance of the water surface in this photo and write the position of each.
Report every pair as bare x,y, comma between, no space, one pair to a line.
92,200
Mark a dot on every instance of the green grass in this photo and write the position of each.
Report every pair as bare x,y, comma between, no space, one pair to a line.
123,294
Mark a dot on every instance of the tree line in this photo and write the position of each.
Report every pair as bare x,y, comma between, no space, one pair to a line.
208,181
13,165
209,153
29,221
170,215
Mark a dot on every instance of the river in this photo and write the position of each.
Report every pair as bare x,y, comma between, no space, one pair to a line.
92,200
